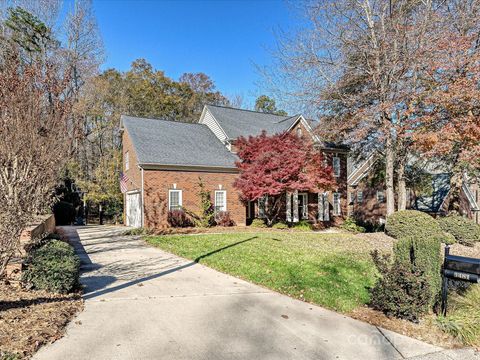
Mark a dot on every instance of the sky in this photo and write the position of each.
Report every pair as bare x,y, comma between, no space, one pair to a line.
222,38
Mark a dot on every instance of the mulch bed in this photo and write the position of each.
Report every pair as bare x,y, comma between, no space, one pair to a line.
426,330
30,319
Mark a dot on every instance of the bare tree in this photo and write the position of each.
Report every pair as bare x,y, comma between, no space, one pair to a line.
358,65
35,124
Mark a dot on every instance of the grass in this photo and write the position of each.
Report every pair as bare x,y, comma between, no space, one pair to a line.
332,270
463,317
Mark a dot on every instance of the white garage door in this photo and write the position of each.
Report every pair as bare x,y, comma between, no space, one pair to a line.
133,209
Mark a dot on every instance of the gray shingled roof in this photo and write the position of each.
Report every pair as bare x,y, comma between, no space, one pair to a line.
164,142
238,122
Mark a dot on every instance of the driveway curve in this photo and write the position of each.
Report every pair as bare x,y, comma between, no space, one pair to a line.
144,303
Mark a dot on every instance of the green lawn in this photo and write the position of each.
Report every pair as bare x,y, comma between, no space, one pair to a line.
332,270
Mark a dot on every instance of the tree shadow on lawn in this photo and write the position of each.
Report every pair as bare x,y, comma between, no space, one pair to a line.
96,285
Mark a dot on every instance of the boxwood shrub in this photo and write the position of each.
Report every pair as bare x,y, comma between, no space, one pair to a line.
258,223
464,230
280,225
414,224
400,292
53,266
423,256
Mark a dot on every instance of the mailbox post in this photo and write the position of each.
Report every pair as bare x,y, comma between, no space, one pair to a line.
458,268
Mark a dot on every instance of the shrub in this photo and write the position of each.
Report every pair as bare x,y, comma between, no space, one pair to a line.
64,213
351,225
280,225
422,255
463,318
464,230
412,223
178,218
302,225
400,291
222,218
53,267
448,239
137,231
258,223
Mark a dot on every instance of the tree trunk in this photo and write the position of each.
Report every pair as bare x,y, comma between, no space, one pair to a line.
389,172
456,182
401,186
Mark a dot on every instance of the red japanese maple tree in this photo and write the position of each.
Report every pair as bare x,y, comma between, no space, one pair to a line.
277,164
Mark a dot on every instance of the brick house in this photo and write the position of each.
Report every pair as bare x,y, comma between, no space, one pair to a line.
366,194
165,161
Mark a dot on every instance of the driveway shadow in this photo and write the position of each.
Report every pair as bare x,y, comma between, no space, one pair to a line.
101,276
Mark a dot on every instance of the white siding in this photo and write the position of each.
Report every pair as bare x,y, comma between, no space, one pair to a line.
212,124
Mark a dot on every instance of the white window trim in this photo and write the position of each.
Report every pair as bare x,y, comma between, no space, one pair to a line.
180,201
378,196
224,199
339,212
336,159
359,198
264,199
127,160
301,215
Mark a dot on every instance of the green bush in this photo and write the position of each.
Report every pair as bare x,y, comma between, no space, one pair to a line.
422,255
64,213
302,225
258,223
351,225
464,230
400,291
53,267
463,317
280,225
448,239
412,223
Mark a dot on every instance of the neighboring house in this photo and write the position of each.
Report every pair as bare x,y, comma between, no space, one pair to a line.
164,161
367,194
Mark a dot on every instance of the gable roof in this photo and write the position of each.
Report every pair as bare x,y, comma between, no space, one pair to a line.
239,122
164,142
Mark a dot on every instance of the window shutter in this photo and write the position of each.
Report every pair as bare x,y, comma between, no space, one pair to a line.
326,207
289,206
320,207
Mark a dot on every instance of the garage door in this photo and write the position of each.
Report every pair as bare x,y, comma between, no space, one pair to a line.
133,209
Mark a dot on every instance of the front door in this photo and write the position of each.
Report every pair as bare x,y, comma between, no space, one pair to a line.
303,205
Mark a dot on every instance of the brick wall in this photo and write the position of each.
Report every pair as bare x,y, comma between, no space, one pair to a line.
133,173
158,182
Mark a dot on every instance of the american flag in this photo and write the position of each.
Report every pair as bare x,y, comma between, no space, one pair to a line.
123,182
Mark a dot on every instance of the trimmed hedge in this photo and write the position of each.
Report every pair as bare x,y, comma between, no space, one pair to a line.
351,225
53,267
464,230
423,256
280,225
413,223
399,292
258,223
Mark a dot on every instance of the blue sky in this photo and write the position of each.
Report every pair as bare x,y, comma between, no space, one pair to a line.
222,38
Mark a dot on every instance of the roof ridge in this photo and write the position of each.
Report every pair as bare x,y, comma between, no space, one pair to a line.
165,120
253,111
289,118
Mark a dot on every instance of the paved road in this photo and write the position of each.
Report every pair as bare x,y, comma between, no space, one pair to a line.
143,303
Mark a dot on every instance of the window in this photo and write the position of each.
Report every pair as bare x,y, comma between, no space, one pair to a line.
352,197
380,196
359,196
303,205
220,200
127,161
261,206
299,132
323,207
174,200
336,204
336,166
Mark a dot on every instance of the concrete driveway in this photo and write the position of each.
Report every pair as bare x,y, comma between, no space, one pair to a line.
143,303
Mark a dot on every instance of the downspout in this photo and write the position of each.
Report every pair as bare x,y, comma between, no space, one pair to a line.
143,202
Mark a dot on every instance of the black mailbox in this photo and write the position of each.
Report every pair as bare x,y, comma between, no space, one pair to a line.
463,264
458,268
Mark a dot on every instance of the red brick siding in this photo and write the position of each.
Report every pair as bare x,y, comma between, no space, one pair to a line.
158,182
133,173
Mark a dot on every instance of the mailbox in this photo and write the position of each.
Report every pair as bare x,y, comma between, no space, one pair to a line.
458,268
